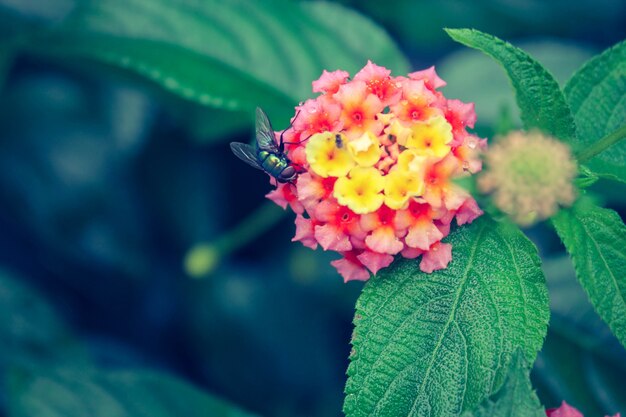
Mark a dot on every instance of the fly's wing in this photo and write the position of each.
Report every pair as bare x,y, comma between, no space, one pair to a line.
264,134
246,153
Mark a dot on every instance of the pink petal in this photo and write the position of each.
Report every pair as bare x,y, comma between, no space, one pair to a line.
370,221
285,194
297,156
430,77
330,238
463,112
358,242
372,72
355,91
317,115
454,196
443,227
309,187
468,211
437,257
375,261
384,240
423,234
351,271
411,253
329,82
565,410
326,211
278,197
305,232
416,89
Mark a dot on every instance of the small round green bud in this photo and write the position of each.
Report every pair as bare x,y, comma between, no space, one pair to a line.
201,260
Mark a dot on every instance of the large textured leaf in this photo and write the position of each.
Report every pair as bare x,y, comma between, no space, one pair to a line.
235,54
73,393
516,398
597,97
539,97
438,344
595,238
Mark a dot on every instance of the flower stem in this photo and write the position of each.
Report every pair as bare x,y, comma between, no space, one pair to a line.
203,258
601,145
256,223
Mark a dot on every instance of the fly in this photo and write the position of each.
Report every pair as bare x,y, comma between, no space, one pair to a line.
338,141
266,155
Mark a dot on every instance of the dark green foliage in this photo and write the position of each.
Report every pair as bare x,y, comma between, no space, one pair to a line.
226,55
94,393
597,97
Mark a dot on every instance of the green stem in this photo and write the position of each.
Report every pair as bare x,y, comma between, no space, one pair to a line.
256,223
202,259
601,145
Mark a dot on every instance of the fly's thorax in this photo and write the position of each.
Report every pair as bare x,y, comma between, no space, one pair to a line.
274,164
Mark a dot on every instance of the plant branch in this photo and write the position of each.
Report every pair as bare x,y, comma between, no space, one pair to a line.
601,145
203,258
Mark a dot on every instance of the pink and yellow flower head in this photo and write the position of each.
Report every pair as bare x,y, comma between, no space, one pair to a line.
379,155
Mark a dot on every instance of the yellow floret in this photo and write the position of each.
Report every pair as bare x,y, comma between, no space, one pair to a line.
385,118
360,191
412,160
399,131
401,184
327,155
431,138
365,150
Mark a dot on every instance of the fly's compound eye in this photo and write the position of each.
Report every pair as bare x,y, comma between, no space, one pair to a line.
288,173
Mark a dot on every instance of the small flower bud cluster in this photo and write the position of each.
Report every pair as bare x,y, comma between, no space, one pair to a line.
378,155
529,175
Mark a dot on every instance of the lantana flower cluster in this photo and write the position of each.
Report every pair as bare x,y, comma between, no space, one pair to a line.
378,155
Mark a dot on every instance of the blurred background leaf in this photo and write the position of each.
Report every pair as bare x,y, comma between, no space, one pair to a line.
226,55
581,362
77,393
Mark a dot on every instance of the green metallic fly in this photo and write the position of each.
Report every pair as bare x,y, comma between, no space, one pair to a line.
266,155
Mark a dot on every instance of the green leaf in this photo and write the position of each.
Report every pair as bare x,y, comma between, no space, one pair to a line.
595,238
78,393
438,344
516,398
474,77
539,97
597,97
226,54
